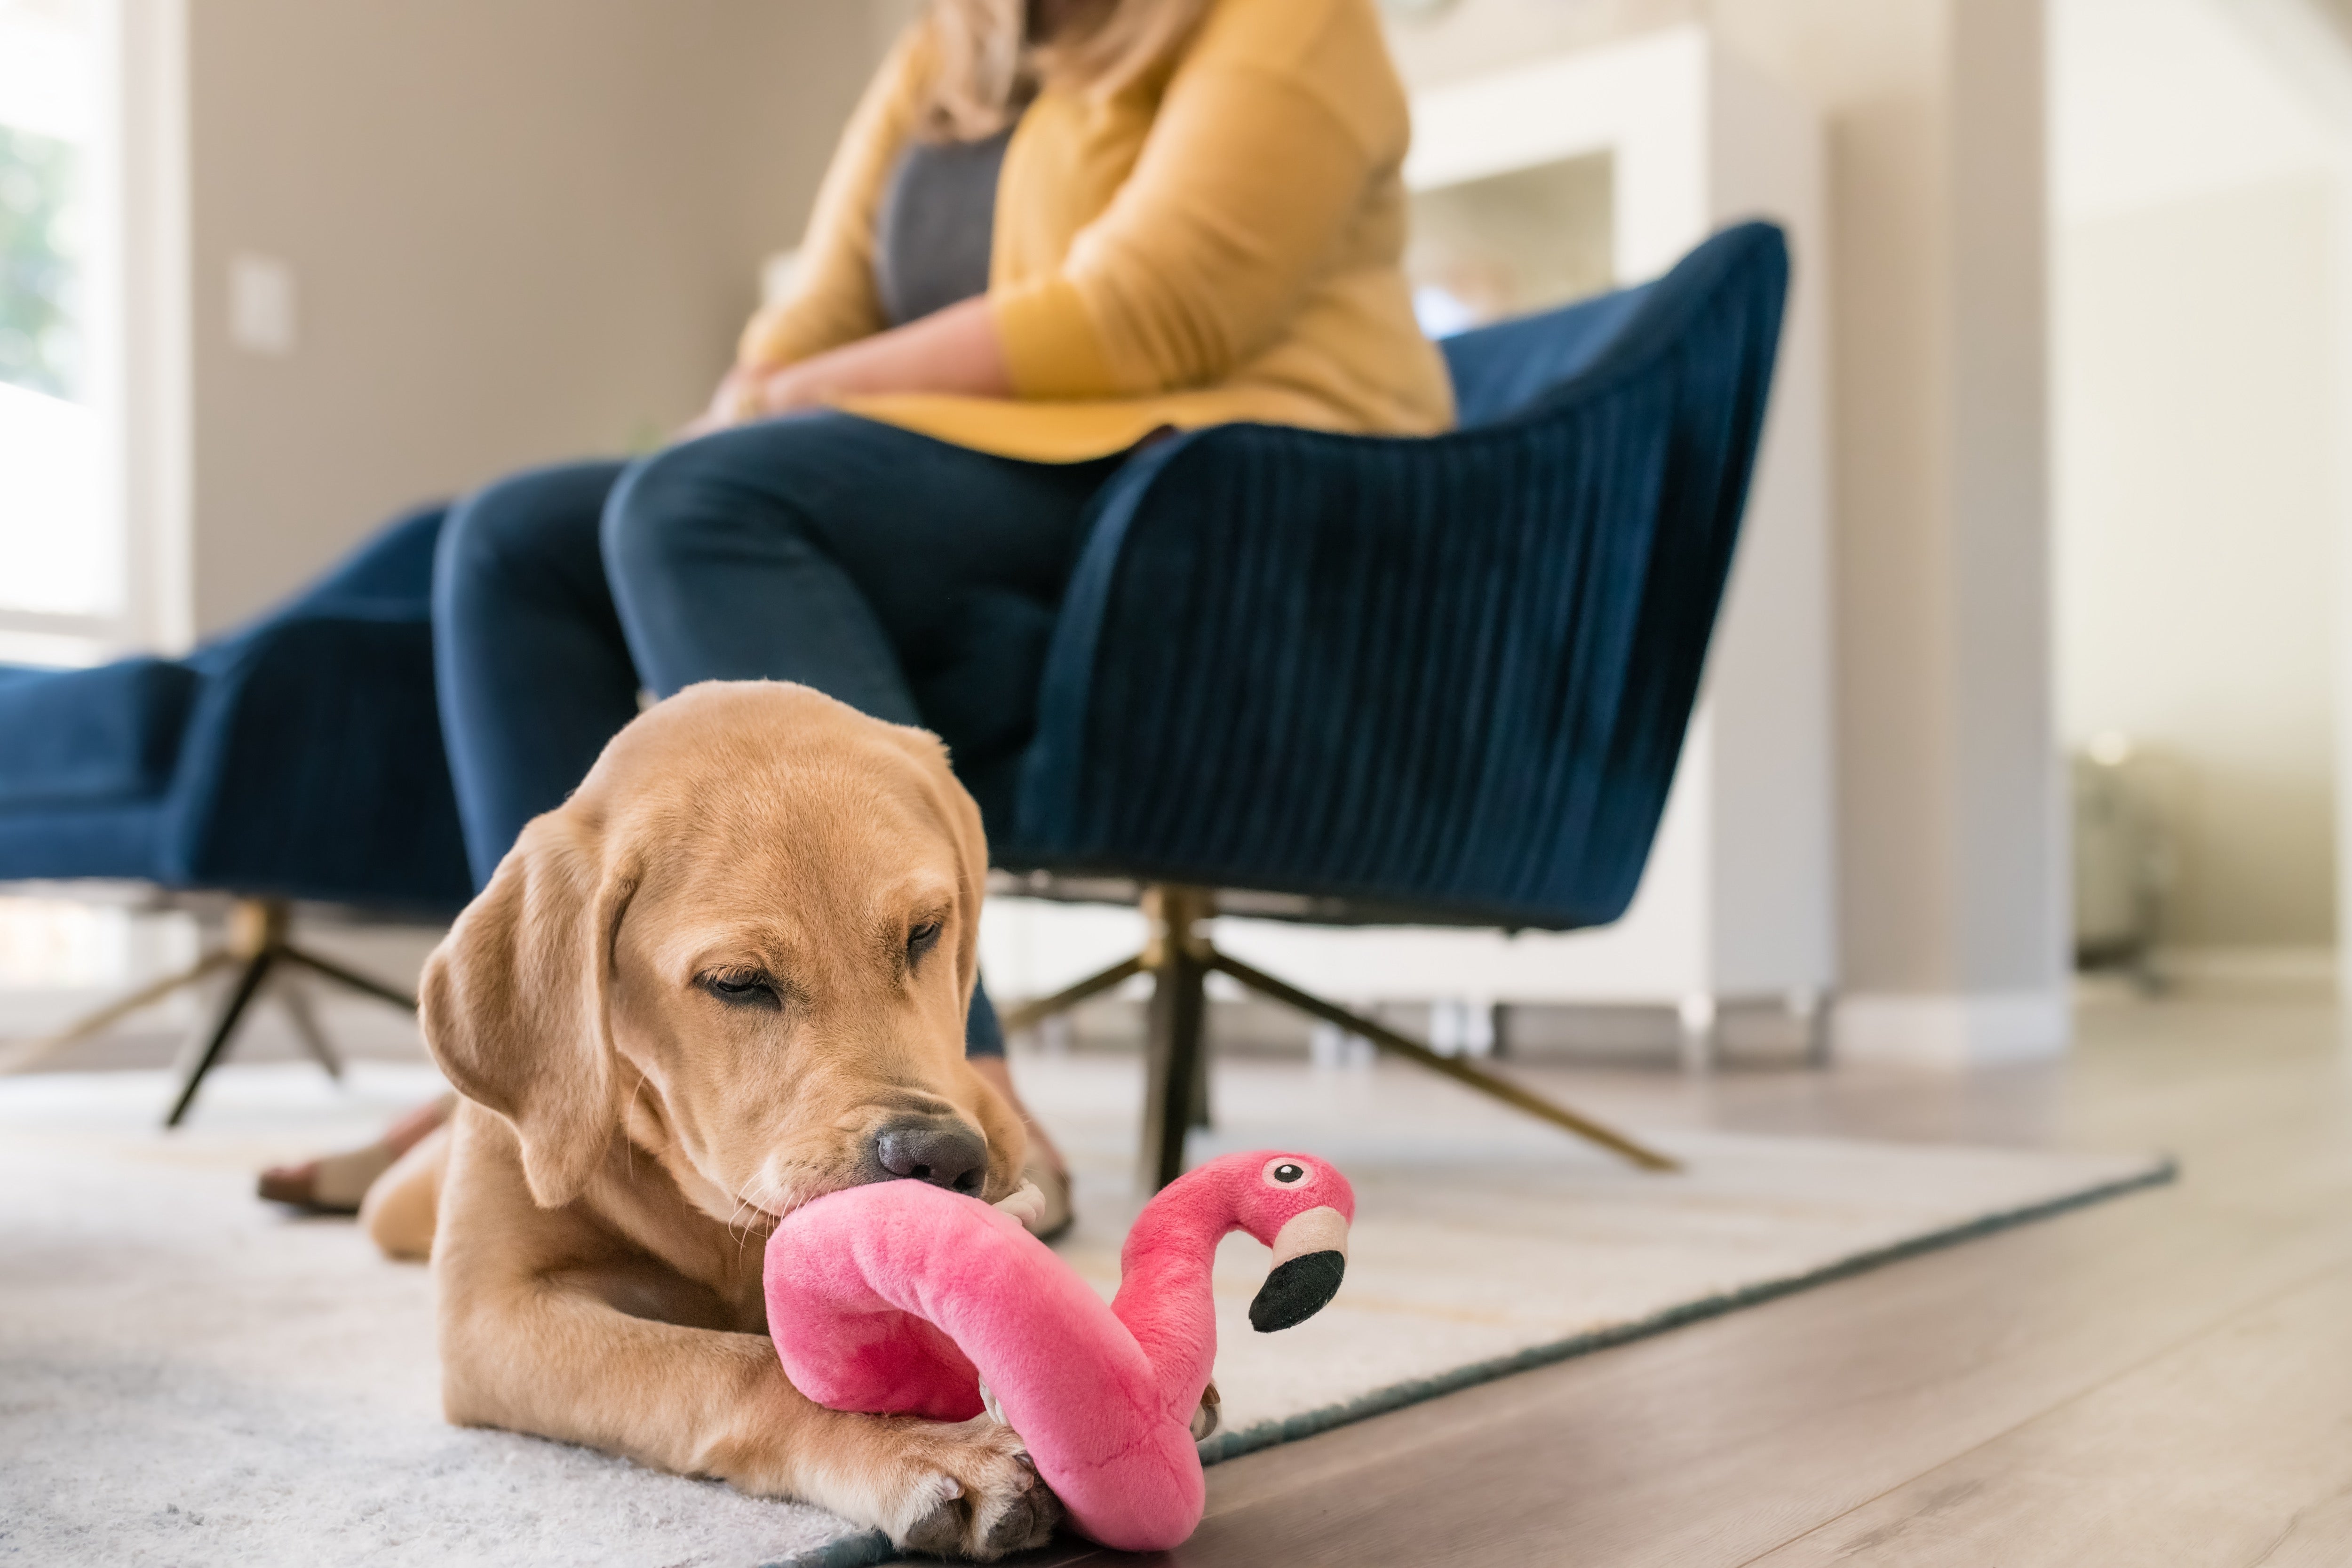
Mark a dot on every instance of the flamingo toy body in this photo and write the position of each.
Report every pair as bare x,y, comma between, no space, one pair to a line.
903,1298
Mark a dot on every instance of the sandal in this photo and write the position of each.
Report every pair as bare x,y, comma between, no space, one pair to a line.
334,1185
1054,1214
337,1183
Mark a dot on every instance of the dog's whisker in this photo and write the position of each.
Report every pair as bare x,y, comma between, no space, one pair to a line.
744,1240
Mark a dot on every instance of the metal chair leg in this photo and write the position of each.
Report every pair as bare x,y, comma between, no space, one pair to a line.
1454,1068
256,930
352,978
240,996
19,1055
292,995
1198,1110
257,933
1029,1014
1173,1058
257,941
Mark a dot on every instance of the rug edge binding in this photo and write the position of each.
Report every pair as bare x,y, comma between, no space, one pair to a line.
864,1549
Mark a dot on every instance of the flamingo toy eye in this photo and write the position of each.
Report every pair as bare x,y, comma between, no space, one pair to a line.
1285,1173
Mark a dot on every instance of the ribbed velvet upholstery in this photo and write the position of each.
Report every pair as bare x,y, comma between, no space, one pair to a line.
303,760
1443,678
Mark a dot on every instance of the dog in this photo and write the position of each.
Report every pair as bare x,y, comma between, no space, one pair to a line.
727,977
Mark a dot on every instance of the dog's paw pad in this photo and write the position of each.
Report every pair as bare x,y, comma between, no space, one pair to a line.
940,1517
1029,1516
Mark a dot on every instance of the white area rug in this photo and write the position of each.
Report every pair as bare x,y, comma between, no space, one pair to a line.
189,1377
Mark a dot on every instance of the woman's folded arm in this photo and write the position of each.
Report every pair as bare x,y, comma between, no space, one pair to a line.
1246,182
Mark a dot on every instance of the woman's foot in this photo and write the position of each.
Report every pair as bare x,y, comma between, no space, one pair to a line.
1046,1168
335,1183
1055,1213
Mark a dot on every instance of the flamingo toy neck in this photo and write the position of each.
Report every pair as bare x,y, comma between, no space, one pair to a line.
1295,1204
1164,1294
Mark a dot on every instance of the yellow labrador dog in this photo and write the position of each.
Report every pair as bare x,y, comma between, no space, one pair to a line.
725,977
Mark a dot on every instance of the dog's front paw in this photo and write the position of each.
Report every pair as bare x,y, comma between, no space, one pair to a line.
974,1494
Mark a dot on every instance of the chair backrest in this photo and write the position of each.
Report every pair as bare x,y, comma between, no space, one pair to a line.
1501,369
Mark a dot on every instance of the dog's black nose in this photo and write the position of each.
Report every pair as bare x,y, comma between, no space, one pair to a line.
943,1152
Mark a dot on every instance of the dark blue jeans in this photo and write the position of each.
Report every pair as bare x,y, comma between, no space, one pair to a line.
912,579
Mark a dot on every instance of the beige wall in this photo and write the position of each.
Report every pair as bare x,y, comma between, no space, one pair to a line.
2196,537
887,19
521,231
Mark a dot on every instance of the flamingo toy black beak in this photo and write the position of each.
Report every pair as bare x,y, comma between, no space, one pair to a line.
1310,1258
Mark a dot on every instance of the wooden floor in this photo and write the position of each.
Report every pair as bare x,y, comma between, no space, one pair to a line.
2162,1380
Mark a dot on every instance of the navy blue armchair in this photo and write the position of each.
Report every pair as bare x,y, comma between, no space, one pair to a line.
299,758
1364,680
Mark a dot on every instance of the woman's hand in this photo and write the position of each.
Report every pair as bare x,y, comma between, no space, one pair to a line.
954,351
796,387
737,400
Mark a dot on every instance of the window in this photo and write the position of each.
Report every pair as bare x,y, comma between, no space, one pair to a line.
61,568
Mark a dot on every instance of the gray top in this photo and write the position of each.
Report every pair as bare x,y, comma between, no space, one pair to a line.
937,224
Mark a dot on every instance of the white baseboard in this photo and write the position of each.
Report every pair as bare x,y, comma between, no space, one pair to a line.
1993,1029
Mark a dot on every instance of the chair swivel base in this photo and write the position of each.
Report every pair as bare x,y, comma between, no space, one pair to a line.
264,957
1180,958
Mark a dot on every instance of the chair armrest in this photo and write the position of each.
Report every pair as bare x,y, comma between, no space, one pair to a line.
312,767
1446,676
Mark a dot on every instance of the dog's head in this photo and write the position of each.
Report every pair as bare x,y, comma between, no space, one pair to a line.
747,943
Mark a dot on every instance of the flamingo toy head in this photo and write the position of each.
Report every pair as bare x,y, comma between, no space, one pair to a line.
1301,1208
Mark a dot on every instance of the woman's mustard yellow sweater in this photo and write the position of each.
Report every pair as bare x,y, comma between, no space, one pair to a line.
1218,241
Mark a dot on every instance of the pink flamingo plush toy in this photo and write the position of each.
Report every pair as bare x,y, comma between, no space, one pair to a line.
904,1298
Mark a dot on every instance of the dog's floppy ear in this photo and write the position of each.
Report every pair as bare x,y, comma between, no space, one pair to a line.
514,1000
962,818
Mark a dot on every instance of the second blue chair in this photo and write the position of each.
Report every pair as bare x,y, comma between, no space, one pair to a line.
295,758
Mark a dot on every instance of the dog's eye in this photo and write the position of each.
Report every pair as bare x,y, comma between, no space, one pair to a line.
741,987
922,938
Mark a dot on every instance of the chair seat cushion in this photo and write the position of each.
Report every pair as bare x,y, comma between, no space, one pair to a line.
117,842
91,737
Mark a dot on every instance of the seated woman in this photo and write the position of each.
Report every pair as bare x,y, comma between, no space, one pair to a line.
1051,231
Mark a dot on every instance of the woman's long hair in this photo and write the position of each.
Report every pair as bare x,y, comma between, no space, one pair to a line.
990,67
